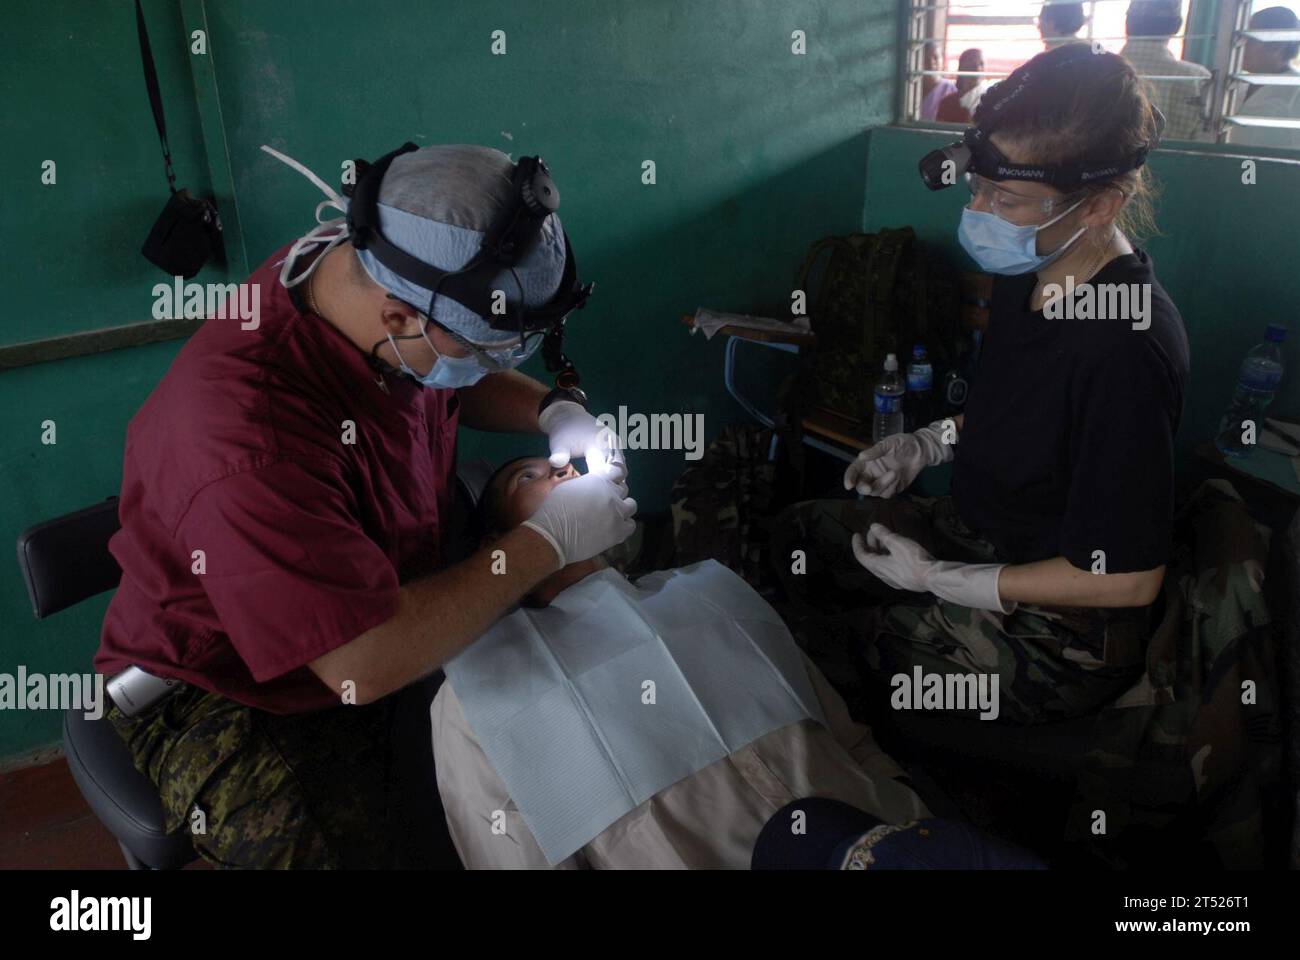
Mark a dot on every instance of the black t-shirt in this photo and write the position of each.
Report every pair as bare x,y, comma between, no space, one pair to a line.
1068,442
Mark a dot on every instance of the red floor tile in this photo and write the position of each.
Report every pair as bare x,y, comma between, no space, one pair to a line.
45,824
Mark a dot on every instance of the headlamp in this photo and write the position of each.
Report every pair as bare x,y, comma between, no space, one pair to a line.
533,198
975,152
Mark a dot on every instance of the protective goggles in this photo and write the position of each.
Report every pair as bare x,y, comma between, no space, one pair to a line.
494,358
1016,207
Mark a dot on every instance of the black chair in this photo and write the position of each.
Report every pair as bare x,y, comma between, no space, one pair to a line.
66,560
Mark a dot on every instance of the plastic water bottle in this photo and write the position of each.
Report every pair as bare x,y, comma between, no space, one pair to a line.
920,386
1257,382
888,402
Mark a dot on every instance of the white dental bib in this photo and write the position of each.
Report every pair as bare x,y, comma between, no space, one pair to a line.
589,707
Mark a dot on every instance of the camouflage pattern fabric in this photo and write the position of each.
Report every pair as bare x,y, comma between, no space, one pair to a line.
301,791
879,293
720,505
1192,752
1052,663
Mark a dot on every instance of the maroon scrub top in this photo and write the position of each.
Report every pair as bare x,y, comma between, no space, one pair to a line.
242,452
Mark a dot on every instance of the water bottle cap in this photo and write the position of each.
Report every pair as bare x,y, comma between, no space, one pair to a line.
918,352
891,363
1275,332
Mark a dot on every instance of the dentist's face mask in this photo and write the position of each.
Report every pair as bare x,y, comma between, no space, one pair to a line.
1000,246
447,372
451,372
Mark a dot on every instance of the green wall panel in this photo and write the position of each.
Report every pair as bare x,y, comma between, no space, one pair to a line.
758,153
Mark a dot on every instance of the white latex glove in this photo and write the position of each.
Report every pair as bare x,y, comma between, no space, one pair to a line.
893,463
905,565
583,517
573,432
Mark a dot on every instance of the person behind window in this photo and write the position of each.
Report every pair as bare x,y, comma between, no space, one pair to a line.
1060,23
959,106
934,89
1282,102
1150,24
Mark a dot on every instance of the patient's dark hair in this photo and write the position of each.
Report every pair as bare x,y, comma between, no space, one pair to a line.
485,521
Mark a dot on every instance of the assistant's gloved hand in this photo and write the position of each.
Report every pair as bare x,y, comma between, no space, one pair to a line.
892,464
573,432
905,565
583,517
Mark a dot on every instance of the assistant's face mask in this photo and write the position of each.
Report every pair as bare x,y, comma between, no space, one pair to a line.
999,246
447,373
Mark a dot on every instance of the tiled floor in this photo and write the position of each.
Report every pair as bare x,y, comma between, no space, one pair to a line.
45,823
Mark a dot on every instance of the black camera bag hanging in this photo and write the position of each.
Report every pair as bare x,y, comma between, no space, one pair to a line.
188,231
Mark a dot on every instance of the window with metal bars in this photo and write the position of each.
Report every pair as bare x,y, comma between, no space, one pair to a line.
1228,71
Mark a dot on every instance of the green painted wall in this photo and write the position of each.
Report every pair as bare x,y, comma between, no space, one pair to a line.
758,153
73,92
1224,253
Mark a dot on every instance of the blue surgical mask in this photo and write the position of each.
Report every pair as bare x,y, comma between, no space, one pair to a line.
1002,247
447,373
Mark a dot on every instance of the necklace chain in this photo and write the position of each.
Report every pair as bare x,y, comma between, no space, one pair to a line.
1091,269
1096,261
311,297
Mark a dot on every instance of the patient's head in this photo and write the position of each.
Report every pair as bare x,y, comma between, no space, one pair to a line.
511,496
515,491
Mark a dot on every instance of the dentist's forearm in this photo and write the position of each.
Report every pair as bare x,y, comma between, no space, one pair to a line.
438,616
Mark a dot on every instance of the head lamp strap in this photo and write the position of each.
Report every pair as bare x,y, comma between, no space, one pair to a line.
510,238
363,208
989,162
992,165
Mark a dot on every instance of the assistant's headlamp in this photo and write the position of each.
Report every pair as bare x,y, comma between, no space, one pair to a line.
511,236
1016,96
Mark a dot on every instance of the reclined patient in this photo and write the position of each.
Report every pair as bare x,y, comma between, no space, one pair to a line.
605,724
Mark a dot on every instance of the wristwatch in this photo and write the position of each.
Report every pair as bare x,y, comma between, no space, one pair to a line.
576,394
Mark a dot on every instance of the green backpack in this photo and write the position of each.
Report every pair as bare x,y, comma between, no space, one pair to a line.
880,293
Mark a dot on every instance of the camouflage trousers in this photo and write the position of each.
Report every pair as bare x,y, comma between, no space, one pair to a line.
257,789
1051,663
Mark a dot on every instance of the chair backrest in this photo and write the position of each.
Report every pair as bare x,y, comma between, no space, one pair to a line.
473,476
66,560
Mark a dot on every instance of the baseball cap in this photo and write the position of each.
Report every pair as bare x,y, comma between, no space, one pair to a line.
839,836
